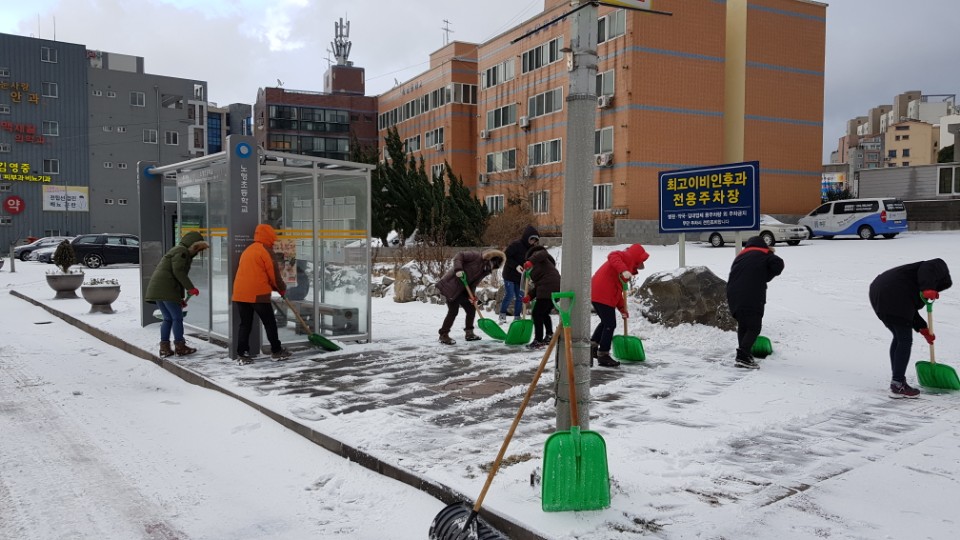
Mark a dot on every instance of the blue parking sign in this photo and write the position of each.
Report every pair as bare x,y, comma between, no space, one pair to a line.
715,198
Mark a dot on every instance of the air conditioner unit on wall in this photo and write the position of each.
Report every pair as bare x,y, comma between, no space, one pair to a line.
605,159
484,134
604,102
524,122
484,179
525,172
440,147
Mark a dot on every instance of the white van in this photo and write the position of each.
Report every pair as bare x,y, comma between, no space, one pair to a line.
865,218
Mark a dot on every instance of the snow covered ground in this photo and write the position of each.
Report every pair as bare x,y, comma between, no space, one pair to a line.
98,443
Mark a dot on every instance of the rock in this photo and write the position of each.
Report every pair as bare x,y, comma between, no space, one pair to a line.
693,295
403,287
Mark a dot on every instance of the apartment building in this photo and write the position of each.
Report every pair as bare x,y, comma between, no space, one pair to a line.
911,142
44,171
659,91
235,118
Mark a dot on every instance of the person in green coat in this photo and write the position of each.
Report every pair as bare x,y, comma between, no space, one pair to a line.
166,289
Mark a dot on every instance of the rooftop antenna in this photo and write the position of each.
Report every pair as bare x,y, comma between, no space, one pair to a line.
341,44
328,59
446,32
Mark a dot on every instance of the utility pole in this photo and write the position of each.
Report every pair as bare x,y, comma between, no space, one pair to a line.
576,267
735,88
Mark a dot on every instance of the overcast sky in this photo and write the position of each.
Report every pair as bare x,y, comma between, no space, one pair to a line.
875,48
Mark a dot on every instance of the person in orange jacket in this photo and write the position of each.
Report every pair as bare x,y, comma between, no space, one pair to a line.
606,293
257,277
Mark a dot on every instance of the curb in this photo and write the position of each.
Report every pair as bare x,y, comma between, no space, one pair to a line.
441,492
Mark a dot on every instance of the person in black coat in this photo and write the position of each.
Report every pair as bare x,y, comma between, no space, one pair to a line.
546,281
513,270
896,295
752,269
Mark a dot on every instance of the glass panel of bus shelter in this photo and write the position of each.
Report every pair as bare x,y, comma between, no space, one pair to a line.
192,216
341,230
290,204
219,259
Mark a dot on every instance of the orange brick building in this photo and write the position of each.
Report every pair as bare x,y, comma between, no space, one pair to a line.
660,87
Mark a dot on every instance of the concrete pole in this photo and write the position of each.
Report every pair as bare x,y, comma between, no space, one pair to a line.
735,87
576,267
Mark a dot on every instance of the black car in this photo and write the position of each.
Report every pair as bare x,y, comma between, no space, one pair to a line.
96,250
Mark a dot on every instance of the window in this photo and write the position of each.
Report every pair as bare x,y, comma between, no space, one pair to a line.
4,109
138,99
436,171
906,152
603,140
51,166
502,161
107,164
498,74
891,153
901,128
124,201
949,181
6,220
108,201
4,148
412,144
51,128
605,83
48,54
121,129
544,152
905,138
494,204
108,128
502,117
855,207
905,164
602,196
543,55
611,25
6,187
540,202
434,137
150,136
171,101
121,165
546,103
49,89
171,138
4,72
111,94
97,93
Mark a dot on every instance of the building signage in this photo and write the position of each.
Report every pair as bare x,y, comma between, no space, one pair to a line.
13,205
66,198
719,197
24,132
20,172
18,90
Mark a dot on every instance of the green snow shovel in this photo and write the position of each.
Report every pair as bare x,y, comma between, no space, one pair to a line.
627,348
521,331
459,521
489,326
315,339
762,347
931,374
575,475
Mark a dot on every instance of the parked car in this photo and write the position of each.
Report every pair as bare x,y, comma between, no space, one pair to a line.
865,218
44,254
23,252
96,250
771,230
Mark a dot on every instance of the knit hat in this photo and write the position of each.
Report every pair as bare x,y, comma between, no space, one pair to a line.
533,237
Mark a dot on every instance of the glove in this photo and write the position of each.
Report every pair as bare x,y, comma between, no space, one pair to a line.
626,275
519,269
624,314
526,299
460,274
183,304
283,293
930,294
527,265
925,332
193,292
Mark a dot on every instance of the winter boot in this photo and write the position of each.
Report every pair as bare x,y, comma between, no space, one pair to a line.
280,355
470,336
244,358
445,338
594,347
605,360
180,347
165,349
901,390
745,360
503,318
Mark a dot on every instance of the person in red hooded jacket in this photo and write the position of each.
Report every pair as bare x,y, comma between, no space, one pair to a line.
258,275
607,297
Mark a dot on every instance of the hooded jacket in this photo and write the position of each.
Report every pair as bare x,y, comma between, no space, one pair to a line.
750,272
606,287
517,253
475,265
543,273
172,276
257,273
895,294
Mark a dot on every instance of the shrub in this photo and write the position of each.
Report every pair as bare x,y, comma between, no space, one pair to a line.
64,257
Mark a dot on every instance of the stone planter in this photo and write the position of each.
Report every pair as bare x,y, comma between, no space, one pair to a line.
100,297
65,285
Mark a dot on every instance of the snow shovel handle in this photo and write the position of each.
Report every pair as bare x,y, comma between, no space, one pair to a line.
929,304
568,350
473,299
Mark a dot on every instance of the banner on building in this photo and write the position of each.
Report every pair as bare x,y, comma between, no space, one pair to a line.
66,198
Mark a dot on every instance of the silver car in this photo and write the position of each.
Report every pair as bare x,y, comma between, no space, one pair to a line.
23,252
771,230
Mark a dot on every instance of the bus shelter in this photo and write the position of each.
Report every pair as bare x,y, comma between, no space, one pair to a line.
320,209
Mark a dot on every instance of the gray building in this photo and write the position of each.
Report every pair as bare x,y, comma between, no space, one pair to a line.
234,119
44,164
931,192
136,116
